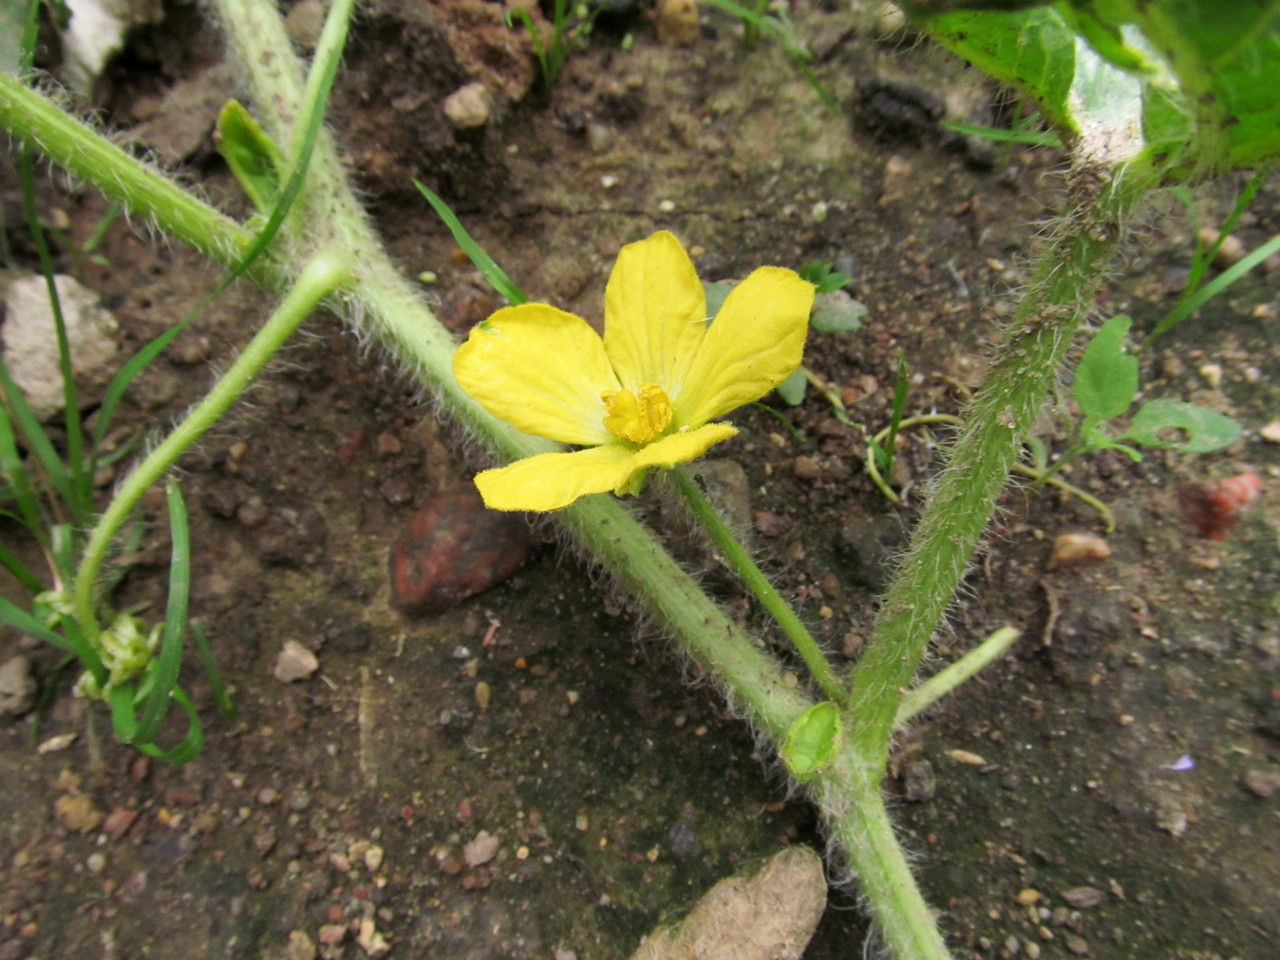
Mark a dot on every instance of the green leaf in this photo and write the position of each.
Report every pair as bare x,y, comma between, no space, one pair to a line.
820,274
837,312
1107,376
792,389
253,156
813,741
1205,430
716,293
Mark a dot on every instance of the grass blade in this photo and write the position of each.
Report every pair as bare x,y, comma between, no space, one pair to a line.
21,572
219,688
15,472
162,677
492,272
20,620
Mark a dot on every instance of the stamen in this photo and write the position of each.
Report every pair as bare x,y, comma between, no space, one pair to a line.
638,417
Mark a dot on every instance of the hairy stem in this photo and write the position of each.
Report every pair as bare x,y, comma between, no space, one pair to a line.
1065,279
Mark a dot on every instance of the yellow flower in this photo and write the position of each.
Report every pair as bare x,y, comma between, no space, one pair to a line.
644,395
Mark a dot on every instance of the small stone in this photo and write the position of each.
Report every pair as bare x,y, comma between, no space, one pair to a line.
252,512
388,444
453,549
967,758
295,662
299,947
18,686
76,811
1028,897
1073,548
484,695
919,781
396,492
480,850
1262,783
96,862
1077,945
57,743
332,934
771,524
371,941
1229,254
806,468
678,23
899,180
118,821
1083,898
373,857
1271,432
264,842
469,107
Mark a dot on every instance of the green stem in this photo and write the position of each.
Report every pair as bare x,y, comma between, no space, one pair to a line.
740,562
38,123
848,793
948,678
1026,364
324,274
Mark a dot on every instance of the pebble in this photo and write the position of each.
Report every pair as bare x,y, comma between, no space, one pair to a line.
17,686
480,850
454,548
299,947
469,107
1262,783
1083,898
484,695
966,757
31,349
898,181
678,23
1072,548
806,468
295,662
76,811
371,941
919,781
771,524
118,821
373,857
1229,254
1077,945
332,934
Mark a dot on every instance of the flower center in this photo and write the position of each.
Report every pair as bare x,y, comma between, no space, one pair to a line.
639,416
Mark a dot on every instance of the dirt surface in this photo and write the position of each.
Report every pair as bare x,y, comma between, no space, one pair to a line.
531,773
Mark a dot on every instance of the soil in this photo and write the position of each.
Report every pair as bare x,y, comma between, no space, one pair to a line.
592,786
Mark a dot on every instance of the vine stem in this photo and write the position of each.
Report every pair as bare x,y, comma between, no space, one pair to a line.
736,556
1066,275
322,276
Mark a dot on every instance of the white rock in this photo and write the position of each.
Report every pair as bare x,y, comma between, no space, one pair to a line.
770,915
17,686
480,850
295,662
468,107
31,342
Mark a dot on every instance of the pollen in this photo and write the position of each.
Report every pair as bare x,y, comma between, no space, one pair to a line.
640,416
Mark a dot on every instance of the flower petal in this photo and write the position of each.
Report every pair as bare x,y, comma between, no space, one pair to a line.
654,313
550,481
540,369
754,343
683,446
